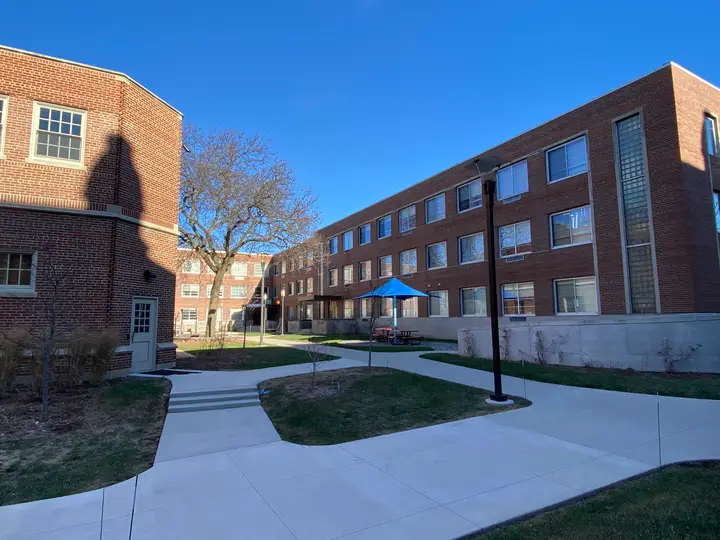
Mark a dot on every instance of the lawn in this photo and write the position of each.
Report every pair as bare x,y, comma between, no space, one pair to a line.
376,347
234,357
356,403
96,436
691,385
682,501
336,340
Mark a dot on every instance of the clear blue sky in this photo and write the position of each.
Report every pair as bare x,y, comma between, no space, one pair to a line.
364,97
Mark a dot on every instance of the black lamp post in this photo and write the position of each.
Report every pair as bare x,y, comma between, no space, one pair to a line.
488,168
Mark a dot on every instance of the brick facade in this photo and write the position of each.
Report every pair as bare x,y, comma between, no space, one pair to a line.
672,104
109,221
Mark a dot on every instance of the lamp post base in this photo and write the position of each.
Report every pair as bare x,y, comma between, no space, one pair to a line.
500,401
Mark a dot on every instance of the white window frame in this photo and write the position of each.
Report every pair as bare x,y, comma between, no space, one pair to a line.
352,309
21,290
193,263
240,289
333,243
330,273
56,161
517,288
410,217
460,252
369,234
711,135
447,302
369,266
457,196
309,285
257,266
3,123
365,308
345,235
401,262
380,266
462,302
412,300
571,244
208,290
235,269
581,313
188,310
345,268
444,208
300,286
512,168
565,145
389,231
193,286
427,256
514,226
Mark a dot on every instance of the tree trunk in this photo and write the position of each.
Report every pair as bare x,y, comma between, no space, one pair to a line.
211,326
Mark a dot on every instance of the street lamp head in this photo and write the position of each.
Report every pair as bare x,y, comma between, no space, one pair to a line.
486,164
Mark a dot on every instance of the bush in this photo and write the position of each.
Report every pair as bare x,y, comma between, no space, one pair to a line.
88,352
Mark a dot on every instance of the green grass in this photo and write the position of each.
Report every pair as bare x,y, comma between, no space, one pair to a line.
96,436
356,403
335,340
691,385
234,357
378,348
678,502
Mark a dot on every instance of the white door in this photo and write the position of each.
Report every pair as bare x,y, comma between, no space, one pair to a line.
143,331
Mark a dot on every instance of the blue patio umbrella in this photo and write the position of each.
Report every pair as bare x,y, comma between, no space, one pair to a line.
394,289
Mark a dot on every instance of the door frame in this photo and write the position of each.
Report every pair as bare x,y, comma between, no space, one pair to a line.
152,349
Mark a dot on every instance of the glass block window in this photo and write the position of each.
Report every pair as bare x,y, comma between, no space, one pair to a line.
364,269
571,227
469,196
189,290
512,180
567,160
386,307
518,299
332,277
347,240
435,208
384,227
191,266
409,307
16,270
515,239
438,304
407,218
347,274
208,291
333,245
711,135
636,214
348,310
575,296
364,234
437,255
408,261
385,266
239,291
58,133
471,248
239,269
473,302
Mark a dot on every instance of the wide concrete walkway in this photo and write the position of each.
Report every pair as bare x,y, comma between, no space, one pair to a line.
438,482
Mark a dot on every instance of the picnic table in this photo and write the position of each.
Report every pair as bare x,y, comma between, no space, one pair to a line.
406,337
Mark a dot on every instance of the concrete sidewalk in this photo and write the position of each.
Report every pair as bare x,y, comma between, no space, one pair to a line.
438,482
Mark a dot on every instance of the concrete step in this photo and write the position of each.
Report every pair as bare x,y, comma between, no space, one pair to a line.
213,398
213,406
248,390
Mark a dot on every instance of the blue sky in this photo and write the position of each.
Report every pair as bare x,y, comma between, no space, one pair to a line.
365,97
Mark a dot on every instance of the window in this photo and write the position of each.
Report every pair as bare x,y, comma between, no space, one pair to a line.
518,299
290,288
409,307
208,290
435,208
258,269
275,269
711,135
567,160
188,314
407,218
365,307
384,227
408,261
17,271
716,206
469,196
238,291
364,271
437,255
282,289
347,274
239,269
188,290
300,262
386,307
364,234
3,115
385,266
348,311
299,286
58,133
191,266
471,248
283,267
291,265
333,245
473,302
515,239
332,277
512,180
575,296
438,304
274,292
571,227
309,285
347,240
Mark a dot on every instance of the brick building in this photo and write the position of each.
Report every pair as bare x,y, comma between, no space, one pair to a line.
89,180
241,286
608,210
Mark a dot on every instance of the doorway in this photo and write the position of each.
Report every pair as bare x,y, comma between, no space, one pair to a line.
143,333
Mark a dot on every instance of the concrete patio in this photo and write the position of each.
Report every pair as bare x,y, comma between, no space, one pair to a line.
228,476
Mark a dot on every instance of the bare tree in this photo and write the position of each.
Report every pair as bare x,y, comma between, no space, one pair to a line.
316,353
375,303
237,195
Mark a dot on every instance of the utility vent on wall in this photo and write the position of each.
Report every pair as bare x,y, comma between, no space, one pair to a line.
514,258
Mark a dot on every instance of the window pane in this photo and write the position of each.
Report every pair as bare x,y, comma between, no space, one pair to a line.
407,218
561,230
580,224
522,237
526,295
469,196
505,183
520,177
472,248
507,240
473,301
408,261
436,256
438,303
565,293
556,163
716,203
435,208
409,307
576,157
585,294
